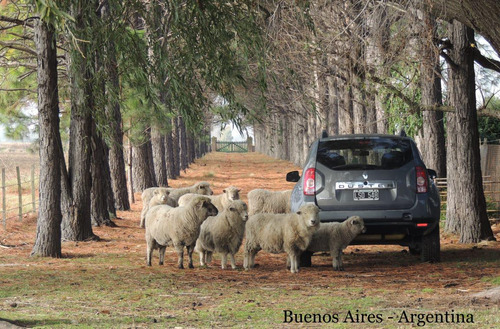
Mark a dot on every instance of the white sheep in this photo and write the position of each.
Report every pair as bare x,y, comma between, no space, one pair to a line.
264,201
223,234
202,188
154,196
335,237
178,227
277,233
221,201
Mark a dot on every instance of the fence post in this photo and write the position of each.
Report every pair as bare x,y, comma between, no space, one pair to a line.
33,188
20,193
214,144
4,201
249,144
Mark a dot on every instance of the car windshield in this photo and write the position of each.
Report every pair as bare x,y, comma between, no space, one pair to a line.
363,154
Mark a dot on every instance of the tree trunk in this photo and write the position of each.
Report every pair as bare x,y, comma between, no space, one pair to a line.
183,152
141,167
77,224
433,150
467,187
170,160
48,230
100,176
176,146
158,151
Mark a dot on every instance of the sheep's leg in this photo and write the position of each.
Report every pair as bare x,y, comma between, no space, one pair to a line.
162,254
249,260
223,261
149,253
208,258
252,258
233,262
337,259
190,250
143,219
179,248
202,257
293,263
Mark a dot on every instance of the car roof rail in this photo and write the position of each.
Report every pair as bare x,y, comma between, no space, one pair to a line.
324,134
402,133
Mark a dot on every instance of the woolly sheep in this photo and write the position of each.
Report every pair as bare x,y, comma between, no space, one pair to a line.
179,227
335,237
277,233
221,201
264,201
223,234
202,188
153,197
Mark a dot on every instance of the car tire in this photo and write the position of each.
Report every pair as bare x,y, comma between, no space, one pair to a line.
431,247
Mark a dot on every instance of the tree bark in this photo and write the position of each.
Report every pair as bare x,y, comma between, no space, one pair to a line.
101,187
77,224
433,150
467,184
183,152
170,160
141,167
176,147
158,151
48,231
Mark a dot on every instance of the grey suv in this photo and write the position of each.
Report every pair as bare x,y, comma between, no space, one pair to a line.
381,178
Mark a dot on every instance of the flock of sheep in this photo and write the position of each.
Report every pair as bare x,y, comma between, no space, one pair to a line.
194,218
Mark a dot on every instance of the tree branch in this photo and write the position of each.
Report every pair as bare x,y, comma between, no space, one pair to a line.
487,63
18,46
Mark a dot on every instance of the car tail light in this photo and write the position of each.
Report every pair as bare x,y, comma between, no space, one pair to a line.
421,180
310,182
422,224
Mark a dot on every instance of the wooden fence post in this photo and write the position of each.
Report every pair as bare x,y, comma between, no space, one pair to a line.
214,144
20,193
33,188
4,201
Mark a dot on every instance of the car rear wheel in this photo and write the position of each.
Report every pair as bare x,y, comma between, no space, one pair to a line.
431,247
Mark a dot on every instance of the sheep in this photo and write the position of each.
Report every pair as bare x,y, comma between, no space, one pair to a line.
335,237
277,233
223,234
264,201
202,188
178,227
221,201
152,197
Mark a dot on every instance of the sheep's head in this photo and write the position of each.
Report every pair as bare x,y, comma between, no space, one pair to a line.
205,205
239,207
161,195
310,214
203,188
356,224
233,193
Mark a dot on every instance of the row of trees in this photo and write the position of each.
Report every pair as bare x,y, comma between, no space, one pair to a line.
148,70
374,67
158,72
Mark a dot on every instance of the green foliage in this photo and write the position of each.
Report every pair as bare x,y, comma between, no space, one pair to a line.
400,115
489,127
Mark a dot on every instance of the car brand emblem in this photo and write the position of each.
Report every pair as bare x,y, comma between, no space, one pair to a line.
365,175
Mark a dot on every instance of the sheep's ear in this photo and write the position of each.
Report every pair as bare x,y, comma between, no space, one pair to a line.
167,193
238,191
299,212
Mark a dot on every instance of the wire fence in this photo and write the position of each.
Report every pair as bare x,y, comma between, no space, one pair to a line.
19,193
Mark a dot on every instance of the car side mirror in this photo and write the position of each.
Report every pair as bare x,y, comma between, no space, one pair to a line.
432,173
293,176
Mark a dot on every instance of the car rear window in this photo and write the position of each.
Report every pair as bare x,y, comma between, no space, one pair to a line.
362,154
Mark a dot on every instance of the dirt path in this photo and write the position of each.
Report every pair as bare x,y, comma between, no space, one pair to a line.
386,273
